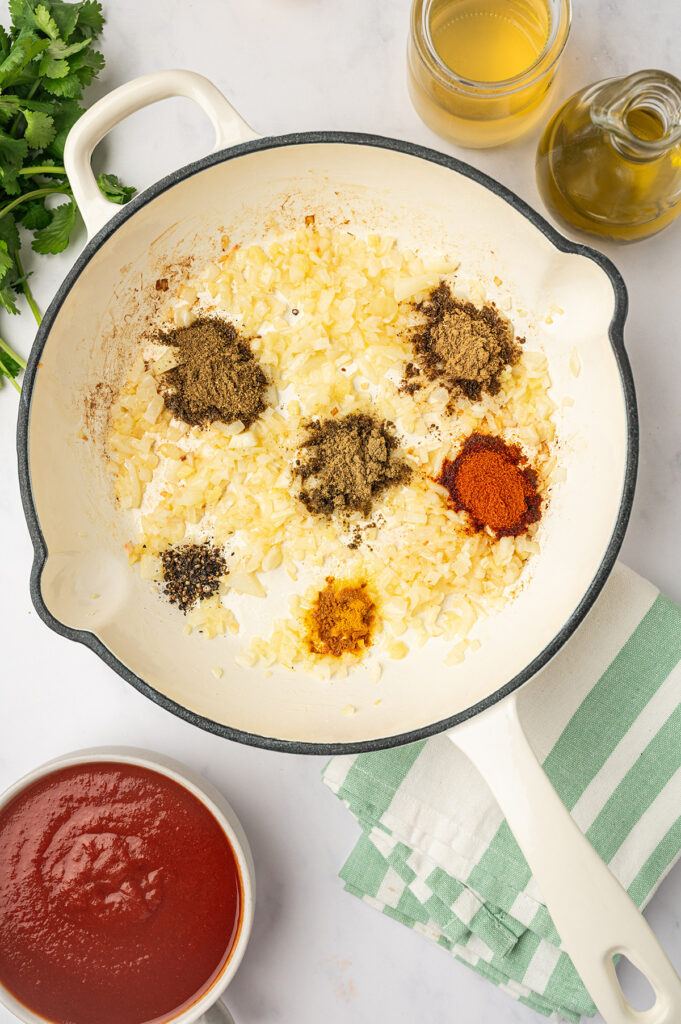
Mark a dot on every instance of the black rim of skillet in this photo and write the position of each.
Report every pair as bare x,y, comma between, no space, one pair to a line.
410,149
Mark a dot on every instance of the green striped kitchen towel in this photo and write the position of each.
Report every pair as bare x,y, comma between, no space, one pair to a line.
435,853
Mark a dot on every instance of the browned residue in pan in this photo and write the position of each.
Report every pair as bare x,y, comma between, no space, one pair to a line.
96,406
131,321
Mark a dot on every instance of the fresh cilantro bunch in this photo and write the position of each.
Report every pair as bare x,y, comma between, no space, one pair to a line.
46,60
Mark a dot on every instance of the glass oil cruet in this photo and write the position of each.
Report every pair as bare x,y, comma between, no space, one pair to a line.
609,161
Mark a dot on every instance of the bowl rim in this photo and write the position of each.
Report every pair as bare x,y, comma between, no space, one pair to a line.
223,812
559,241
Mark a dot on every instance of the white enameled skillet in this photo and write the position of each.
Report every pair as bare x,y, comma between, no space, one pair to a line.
438,204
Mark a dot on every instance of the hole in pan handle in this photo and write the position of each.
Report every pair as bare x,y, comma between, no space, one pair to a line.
104,115
594,916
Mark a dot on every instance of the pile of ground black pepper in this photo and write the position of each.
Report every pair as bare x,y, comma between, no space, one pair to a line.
217,376
191,573
463,347
346,462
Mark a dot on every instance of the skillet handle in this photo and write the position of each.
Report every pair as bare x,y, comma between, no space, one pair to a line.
595,917
104,115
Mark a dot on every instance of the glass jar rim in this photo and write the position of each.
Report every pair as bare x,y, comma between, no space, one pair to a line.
544,62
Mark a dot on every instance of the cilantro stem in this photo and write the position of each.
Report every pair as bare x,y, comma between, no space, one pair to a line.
46,169
35,194
26,289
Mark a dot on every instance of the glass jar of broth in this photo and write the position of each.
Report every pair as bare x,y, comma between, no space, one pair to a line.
480,71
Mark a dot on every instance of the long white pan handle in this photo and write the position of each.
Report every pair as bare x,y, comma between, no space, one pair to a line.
594,916
104,115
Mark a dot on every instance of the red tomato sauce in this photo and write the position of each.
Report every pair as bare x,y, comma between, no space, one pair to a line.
120,896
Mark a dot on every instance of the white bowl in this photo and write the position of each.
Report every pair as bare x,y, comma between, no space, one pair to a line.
215,802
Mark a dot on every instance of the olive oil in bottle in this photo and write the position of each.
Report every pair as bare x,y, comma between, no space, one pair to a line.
609,161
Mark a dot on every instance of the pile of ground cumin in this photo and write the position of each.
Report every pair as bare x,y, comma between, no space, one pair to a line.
341,620
463,347
346,462
217,376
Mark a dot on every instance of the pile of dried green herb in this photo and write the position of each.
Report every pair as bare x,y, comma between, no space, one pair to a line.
217,376
191,573
463,347
346,462
47,58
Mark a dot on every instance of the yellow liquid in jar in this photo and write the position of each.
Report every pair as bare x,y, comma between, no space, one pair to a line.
480,71
489,40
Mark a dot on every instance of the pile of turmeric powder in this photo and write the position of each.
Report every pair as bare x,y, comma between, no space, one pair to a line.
341,620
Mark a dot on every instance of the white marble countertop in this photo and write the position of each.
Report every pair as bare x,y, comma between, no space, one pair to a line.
316,953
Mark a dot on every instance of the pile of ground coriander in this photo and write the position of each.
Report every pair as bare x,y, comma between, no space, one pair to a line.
347,462
217,376
464,347
192,573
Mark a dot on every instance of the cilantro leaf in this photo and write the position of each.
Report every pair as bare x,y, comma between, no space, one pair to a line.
9,235
11,365
87,65
5,43
90,17
54,237
43,20
8,364
114,190
13,103
7,275
12,155
69,86
33,214
18,10
65,116
7,298
66,16
51,67
26,46
60,49
40,129
6,259
7,112
12,151
9,181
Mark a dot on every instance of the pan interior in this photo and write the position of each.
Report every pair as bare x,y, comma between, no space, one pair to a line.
86,583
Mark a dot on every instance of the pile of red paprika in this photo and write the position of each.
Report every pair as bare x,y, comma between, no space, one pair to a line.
491,481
